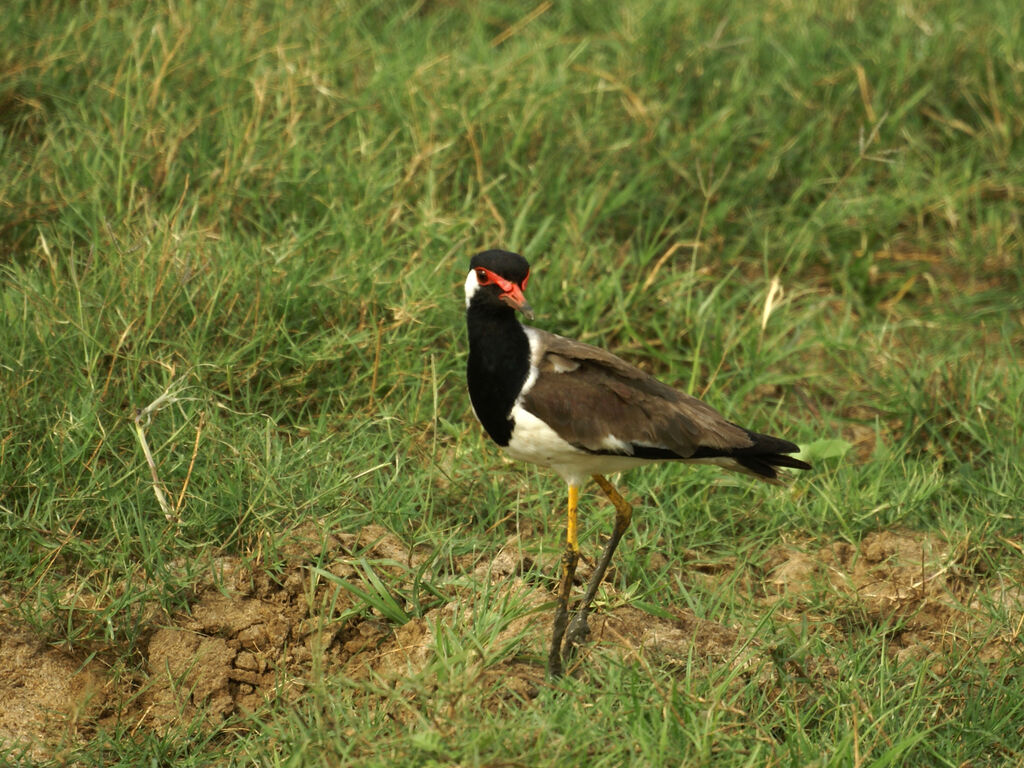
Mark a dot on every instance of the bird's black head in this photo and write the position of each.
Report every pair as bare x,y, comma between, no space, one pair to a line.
497,278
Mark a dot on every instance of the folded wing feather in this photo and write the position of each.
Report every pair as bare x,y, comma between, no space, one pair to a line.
595,400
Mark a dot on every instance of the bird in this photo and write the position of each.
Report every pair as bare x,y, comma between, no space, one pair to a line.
585,413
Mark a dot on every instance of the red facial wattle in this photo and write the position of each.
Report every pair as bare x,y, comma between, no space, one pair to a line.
511,293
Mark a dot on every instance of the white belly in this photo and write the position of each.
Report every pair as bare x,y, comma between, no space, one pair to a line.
535,442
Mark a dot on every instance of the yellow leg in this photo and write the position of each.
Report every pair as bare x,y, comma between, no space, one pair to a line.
571,541
579,630
570,558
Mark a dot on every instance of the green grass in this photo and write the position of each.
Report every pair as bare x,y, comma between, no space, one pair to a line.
249,223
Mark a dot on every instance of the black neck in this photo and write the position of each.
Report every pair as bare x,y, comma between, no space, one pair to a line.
499,362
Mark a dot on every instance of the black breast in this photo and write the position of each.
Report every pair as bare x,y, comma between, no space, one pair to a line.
498,365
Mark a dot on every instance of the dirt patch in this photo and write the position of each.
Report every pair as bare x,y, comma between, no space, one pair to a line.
911,583
255,635
47,697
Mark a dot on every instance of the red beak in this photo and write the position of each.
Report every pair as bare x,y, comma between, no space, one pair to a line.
513,296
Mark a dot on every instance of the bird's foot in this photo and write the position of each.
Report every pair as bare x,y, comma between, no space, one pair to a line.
575,636
555,654
563,652
554,665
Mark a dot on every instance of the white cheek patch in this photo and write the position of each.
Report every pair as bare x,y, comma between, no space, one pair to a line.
472,286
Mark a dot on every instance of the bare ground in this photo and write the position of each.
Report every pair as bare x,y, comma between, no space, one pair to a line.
253,637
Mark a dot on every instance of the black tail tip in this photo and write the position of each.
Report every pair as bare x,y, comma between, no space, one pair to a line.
767,465
790,462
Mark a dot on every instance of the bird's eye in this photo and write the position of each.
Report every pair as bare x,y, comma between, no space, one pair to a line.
483,277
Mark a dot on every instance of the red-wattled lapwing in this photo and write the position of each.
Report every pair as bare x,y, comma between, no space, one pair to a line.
584,412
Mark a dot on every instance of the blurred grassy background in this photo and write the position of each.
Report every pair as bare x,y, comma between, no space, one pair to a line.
234,235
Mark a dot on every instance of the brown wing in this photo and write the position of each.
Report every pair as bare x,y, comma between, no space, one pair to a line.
600,403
